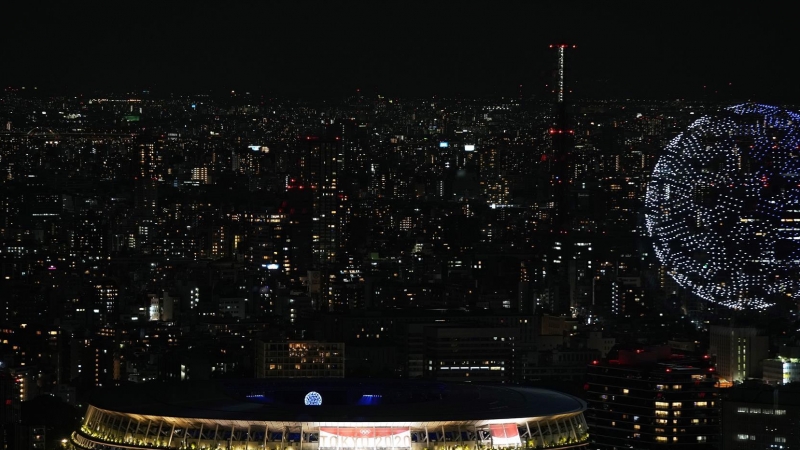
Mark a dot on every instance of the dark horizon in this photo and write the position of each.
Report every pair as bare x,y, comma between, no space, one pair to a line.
399,50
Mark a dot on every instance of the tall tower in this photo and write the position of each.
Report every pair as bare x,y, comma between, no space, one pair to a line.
557,289
562,144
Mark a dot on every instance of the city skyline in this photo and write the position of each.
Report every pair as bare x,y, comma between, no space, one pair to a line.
404,49
274,204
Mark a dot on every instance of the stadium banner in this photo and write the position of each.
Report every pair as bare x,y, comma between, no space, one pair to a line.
504,434
363,437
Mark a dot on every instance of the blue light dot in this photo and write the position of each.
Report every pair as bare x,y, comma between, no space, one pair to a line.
313,399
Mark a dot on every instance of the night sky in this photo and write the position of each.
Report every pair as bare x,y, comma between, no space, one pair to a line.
628,50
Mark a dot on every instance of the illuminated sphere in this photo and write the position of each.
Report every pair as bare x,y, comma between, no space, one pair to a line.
313,399
723,207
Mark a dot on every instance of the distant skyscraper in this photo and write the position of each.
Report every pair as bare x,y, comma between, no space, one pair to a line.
297,239
322,171
322,165
9,408
106,302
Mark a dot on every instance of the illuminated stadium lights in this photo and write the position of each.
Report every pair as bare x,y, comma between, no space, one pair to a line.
723,206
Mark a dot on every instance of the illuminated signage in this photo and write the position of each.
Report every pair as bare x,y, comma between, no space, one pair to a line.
469,148
444,144
254,148
364,438
313,399
504,434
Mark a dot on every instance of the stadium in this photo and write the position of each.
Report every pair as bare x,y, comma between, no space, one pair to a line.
311,414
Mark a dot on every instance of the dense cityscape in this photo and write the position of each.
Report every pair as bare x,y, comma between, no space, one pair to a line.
188,238
191,267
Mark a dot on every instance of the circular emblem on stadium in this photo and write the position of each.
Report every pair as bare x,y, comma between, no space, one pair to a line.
313,399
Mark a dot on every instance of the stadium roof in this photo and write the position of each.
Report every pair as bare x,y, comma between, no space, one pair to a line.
343,400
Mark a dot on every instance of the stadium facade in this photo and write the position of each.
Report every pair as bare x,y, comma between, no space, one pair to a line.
330,415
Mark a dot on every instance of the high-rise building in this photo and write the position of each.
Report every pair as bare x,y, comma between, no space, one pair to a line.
322,171
10,398
648,399
322,168
106,302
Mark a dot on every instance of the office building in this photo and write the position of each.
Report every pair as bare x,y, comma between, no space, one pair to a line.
299,359
759,416
738,352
